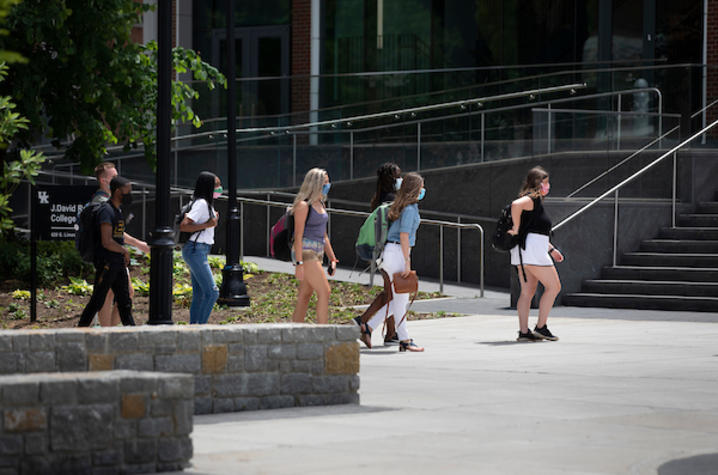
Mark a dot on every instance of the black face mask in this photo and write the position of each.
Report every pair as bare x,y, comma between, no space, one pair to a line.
127,199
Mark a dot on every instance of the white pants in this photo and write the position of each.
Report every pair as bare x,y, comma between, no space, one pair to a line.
393,262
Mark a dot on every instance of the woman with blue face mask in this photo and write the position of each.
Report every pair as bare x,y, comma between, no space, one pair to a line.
396,258
311,242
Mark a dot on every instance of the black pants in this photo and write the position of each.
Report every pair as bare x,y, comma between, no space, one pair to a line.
109,275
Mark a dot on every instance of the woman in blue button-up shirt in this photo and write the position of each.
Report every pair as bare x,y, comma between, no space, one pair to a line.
404,218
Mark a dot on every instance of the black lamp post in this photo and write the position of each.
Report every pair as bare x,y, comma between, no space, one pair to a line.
162,239
234,290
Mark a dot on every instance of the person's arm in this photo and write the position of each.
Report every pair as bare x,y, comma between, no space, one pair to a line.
329,251
517,207
301,210
189,225
139,244
555,253
110,244
406,250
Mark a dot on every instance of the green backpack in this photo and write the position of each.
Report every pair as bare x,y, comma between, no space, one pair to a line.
373,233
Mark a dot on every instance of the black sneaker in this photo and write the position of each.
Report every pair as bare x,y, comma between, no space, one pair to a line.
544,333
392,340
528,336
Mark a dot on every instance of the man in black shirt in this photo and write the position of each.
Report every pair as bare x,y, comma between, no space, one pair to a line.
111,258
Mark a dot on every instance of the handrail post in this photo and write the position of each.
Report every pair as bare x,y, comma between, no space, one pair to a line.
441,258
483,124
351,155
481,257
548,128
673,198
615,227
660,118
241,232
618,125
418,146
144,212
458,251
294,159
268,224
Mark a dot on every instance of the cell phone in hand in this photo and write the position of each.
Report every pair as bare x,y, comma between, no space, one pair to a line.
330,269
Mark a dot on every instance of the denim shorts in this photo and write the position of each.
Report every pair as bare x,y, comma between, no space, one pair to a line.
312,250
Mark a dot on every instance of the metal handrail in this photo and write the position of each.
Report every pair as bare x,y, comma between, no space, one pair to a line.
607,112
637,152
615,189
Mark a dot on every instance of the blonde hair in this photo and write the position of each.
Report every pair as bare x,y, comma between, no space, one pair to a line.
532,184
311,189
407,194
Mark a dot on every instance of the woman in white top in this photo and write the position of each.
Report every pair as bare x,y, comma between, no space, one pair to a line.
200,221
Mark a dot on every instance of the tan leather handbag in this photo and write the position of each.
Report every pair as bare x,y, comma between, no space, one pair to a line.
406,285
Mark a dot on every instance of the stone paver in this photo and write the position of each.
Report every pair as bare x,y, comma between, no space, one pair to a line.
615,395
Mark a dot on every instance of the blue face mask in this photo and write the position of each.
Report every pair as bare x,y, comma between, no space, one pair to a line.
325,188
422,193
397,183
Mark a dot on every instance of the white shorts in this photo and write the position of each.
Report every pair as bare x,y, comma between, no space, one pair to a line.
536,252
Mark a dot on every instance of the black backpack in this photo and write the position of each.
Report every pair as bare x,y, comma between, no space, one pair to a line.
502,240
87,236
182,237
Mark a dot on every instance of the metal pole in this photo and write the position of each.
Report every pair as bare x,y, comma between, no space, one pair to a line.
33,253
144,213
483,124
162,237
241,233
660,117
673,199
458,251
548,128
269,197
176,157
351,155
234,290
441,259
615,227
618,125
418,146
294,159
481,262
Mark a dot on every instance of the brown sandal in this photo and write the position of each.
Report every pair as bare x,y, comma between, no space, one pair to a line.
365,336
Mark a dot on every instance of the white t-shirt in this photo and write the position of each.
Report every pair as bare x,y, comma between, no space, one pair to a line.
199,214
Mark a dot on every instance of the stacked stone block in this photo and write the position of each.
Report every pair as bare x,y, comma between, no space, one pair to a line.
104,422
235,367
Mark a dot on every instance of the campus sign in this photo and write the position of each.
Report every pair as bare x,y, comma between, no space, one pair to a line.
57,208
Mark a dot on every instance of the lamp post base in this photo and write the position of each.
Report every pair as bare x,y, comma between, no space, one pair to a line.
161,276
233,291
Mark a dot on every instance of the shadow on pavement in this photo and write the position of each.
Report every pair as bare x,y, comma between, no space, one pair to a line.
371,351
697,465
287,413
506,343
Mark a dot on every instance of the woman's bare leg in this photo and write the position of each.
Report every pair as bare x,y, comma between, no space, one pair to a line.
523,305
303,296
552,286
315,277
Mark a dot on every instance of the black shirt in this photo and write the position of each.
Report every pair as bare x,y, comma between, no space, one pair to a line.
109,214
535,221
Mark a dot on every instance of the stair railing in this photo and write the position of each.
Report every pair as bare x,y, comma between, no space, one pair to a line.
615,190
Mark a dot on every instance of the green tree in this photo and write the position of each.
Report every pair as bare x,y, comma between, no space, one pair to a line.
86,85
25,167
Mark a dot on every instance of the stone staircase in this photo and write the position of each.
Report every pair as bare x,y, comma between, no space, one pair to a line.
678,270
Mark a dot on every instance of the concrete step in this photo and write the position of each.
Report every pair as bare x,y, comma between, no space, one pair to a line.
645,302
651,287
710,207
698,219
689,232
680,245
665,259
687,274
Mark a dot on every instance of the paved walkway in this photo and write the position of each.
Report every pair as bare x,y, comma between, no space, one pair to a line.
615,395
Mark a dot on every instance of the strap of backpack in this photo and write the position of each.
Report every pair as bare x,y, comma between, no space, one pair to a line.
521,260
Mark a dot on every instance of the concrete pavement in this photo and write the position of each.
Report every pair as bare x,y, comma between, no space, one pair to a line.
635,395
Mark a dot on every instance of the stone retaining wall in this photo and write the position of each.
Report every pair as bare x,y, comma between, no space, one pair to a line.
106,422
236,367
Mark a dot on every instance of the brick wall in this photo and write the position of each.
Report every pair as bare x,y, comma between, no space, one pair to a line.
301,55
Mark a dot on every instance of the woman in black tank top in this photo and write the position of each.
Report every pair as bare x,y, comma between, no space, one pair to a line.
533,227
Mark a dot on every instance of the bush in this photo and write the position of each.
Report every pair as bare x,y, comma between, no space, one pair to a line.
56,262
